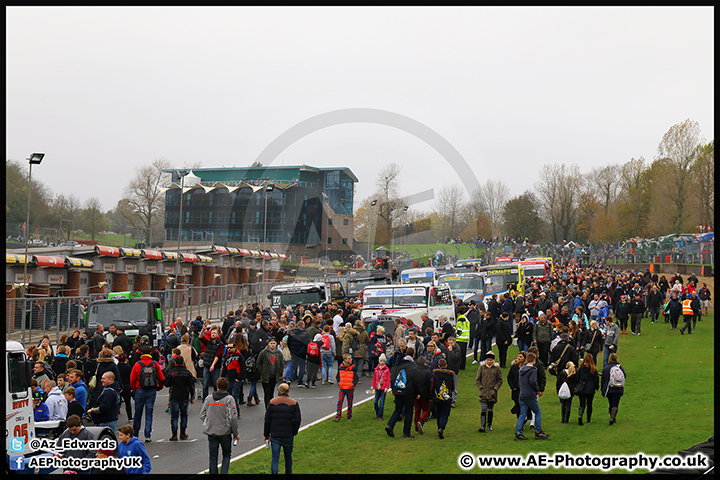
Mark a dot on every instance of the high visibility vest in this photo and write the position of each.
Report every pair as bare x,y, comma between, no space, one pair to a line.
464,325
687,309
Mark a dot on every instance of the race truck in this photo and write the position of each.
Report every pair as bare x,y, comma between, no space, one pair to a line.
302,293
466,286
22,432
407,302
135,314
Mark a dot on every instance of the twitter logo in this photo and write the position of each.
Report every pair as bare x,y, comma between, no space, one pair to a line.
17,445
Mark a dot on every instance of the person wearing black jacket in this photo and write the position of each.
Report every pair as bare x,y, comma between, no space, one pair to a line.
570,355
524,333
654,302
404,384
588,383
503,337
182,394
493,308
98,340
282,423
473,316
422,401
453,363
297,342
488,333
124,368
123,341
637,309
513,379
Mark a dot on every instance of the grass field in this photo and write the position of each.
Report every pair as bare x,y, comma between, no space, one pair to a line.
668,406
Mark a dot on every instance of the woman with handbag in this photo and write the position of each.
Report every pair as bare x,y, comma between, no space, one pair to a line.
593,340
566,381
588,382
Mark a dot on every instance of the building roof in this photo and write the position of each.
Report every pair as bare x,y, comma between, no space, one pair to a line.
272,172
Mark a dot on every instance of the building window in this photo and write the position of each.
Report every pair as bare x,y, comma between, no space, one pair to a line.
344,241
329,241
346,222
329,221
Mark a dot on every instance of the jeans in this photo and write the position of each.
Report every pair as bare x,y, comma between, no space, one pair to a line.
112,425
287,445
179,408
443,414
236,390
654,313
379,403
298,367
613,400
543,351
287,374
210,378
525,405
606,354
327,367
144,398
522,346
360,365
475,342
253,389
485,346
225,442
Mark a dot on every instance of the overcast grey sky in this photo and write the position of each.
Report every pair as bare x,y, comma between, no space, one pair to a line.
107,89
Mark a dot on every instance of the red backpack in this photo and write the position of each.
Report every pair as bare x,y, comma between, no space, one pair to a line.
313,349
325,341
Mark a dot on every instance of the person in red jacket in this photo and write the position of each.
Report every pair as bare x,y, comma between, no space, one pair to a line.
146,379
347,378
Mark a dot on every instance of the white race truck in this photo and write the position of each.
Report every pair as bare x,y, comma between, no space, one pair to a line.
20,425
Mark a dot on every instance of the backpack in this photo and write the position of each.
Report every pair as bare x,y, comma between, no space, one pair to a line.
354,344
148,375
313,349
617,377
325,341
400,384
250,363
443,393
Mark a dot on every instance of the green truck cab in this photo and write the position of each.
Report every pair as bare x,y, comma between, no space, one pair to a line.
135,314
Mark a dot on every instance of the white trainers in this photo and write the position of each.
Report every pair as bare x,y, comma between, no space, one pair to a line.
474,362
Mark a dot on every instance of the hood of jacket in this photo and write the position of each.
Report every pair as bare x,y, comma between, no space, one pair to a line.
220,394
526,369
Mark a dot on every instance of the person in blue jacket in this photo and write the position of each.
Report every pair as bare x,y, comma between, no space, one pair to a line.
41,412
130,446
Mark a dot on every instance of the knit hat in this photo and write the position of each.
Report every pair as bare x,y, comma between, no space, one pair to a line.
382,358
107,451
490,354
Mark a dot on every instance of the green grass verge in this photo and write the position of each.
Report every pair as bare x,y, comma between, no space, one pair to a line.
668,406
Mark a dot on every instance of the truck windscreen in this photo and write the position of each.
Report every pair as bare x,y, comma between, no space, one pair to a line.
134,313
14,383
302,298
395,297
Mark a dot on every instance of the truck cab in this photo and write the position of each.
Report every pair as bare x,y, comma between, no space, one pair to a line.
21,429
302,293
135,314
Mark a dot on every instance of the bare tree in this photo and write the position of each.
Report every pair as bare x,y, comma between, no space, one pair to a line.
604,184
93,218
634,195
449,209
494,195
67,211
145,195
680,146
558,190
389,205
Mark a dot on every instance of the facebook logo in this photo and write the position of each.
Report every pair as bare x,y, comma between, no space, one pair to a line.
17,462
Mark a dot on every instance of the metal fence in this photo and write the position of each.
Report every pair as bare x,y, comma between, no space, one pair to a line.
56,316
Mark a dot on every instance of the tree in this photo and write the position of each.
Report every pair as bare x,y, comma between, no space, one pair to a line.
521,218
389,205
67,211
635,197
558,189
603,184
145,195
703,173
449,209
680,146
16,199
491,199
93,219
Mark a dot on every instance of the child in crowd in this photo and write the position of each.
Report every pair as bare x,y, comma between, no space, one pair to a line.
347,378
381,384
